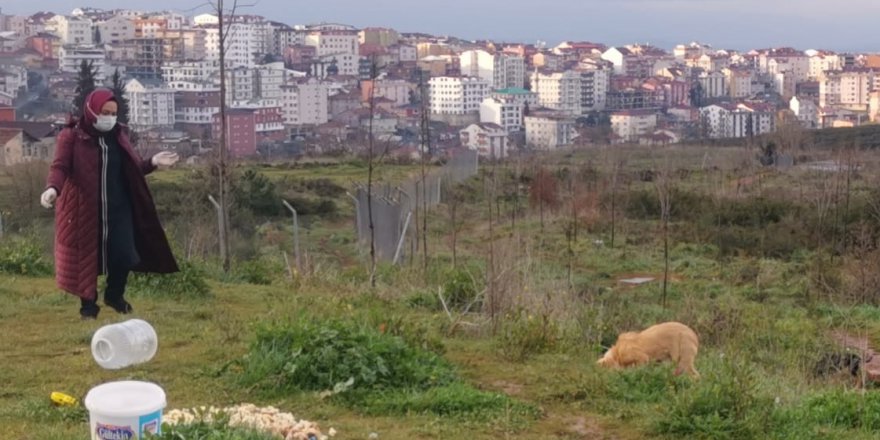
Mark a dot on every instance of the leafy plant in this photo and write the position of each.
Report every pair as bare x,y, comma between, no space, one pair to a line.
320,356
208,431
724,405
189,282
22,256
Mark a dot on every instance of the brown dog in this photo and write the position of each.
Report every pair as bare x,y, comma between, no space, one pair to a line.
667,341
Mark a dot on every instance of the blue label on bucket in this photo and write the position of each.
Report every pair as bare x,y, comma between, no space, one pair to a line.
113,432
150,424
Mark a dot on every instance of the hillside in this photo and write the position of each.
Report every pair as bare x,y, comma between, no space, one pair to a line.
763,264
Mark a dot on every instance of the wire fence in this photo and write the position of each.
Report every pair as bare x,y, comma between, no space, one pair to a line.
395,208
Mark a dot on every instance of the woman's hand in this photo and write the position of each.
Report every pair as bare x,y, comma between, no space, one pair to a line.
48,198
165,159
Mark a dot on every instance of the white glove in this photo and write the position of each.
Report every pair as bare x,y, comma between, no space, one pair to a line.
48,198
165,158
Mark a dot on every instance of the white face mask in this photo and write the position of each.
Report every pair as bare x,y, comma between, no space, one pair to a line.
105,123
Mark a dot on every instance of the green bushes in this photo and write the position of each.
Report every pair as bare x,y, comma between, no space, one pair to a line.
724,405
524,335
189,282
22,256
321,356
849,410
365,368
460,290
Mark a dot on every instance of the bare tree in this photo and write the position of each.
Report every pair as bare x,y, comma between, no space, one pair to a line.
663,184
616,166
223,161
571,230
370,165
425,129
544,190
493,302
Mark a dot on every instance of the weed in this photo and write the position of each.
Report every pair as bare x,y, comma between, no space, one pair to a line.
724,405
21,255
208,431
189,282
321,356
524,335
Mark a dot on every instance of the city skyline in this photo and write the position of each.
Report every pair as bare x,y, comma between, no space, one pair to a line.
733,24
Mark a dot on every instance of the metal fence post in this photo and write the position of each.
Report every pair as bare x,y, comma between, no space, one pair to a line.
402,238
295,235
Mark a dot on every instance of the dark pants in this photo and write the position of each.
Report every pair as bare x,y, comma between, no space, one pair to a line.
117,278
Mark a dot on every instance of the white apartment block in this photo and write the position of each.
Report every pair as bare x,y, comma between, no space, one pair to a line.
874,107
457,95
739,82
13,79
849,89
785,84
518,95
335,43
199,102
240,84
573,92
407,53
268,79
506,113
246,43
206,20
151,104
798,66
397,90
115,30
722,121
821,63
284,36
71,57
714,84
617,58
191,71
806,111
630,125
501,70
305,101
693,50
549,132
71,30
487,139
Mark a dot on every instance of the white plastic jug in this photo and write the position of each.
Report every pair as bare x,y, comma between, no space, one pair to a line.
126,410
126,343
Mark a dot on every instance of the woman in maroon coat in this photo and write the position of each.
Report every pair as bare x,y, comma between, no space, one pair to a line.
105,222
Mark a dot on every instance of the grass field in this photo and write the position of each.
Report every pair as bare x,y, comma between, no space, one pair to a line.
763,321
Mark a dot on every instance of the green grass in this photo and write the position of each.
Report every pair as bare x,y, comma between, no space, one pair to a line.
422,373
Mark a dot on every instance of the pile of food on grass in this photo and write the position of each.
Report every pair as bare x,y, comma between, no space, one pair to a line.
269,420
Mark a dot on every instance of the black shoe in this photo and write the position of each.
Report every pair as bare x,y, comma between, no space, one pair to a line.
88,310
120,305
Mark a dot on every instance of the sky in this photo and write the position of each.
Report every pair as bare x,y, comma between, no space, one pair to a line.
842,25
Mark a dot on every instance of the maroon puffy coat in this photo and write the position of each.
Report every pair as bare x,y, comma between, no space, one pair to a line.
75,174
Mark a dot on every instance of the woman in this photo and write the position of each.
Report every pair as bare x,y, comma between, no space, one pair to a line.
105,222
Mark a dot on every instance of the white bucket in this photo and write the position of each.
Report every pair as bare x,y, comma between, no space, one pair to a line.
125,410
